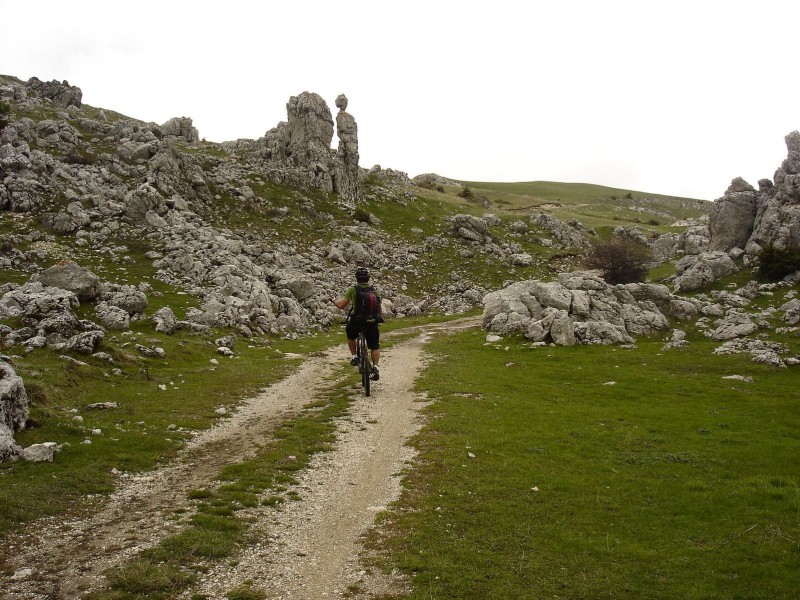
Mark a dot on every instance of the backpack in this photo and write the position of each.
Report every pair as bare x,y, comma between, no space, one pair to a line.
367,306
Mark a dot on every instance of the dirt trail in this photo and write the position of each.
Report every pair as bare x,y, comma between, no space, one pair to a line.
309,549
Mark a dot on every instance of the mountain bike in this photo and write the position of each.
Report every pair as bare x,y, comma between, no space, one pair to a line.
364,363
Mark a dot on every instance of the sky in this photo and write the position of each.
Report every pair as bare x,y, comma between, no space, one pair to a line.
672,97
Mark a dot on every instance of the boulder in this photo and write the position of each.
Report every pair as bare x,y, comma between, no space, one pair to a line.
84,343
697,271
165,321
112,317
14,410
735,324
68,275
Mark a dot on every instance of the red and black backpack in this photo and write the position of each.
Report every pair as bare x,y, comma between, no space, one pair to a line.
367,306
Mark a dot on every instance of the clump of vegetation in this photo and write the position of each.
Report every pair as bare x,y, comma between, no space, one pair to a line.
246,592
776,263
371,180
619,260
466,193
361,214
76,158
5,111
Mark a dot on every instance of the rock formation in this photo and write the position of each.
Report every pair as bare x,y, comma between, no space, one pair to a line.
347,179
581,308
749,219
13,410
299,150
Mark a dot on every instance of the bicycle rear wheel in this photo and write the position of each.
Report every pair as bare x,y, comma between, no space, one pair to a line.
364,364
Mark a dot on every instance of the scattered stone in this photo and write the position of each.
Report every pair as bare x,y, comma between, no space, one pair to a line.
103,406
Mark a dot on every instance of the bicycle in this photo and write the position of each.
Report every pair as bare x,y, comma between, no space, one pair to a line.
364,363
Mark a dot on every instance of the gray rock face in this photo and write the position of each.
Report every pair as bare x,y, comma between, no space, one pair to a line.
731,218
579,308
13,411
771,215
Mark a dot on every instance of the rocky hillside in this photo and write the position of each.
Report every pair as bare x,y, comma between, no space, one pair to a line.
106,221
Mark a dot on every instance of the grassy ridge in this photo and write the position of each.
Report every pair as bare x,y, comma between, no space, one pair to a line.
538,478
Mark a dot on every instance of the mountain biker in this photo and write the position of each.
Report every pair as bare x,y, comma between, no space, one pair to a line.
365,313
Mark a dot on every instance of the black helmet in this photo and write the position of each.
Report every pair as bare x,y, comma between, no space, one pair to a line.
362,274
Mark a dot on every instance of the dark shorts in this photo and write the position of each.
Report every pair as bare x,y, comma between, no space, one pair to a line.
371,332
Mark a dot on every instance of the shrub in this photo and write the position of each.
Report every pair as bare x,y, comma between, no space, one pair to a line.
620,260
361,214
466,193
5,111
76,158
372,180
776,263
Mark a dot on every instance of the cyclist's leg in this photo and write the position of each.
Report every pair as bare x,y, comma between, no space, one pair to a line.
351,331
373,335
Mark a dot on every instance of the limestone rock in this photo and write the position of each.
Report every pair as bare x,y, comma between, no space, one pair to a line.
697,271
578,308
84,343
62,94
731,218
753,219
40,452
347,180
68,275
182,129
569,236
13,410
165,321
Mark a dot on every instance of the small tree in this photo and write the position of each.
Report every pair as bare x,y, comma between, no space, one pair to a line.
620,260
776,263
5,111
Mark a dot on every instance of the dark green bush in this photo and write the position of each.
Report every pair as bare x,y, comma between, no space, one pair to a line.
776,263
619,260
361,214
466,193
5,111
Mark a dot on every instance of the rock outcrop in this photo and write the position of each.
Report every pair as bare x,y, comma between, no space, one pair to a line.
347,178
298,151
581,308
749,219
13,410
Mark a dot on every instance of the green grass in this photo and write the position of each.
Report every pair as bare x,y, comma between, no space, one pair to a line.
216,530
594,205
152,423
672,483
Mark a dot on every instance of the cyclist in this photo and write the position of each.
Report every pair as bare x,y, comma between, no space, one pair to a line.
365,313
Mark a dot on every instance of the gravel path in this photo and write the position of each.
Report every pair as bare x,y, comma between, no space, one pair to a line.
308,549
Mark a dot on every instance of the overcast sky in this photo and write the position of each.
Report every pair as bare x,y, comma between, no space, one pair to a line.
674,97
